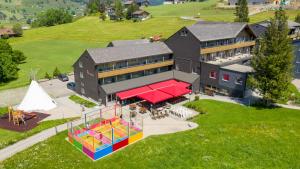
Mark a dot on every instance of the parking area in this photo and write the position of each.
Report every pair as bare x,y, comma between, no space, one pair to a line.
55,88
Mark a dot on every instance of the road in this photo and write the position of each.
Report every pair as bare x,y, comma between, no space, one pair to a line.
55,88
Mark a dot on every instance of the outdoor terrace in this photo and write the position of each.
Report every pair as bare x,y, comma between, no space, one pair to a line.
238,57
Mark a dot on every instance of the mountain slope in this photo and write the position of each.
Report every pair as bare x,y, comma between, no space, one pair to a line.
21,10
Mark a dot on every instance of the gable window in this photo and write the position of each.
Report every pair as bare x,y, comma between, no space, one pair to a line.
183,33
225,77
80,64
213,75
81,75
239,81
82,91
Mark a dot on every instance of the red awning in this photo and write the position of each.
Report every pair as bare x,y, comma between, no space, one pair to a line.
163,84
175,91
155,96
132,93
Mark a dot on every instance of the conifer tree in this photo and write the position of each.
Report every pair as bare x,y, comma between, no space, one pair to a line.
272,61
241,11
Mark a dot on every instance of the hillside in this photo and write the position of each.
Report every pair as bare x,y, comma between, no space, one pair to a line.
21,10
61,45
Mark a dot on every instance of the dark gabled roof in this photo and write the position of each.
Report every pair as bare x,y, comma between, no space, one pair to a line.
207,31
139,12
112,54
129,42
258,30
261,27
147,80
291,24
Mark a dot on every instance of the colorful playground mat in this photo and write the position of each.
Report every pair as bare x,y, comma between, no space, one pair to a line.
105,137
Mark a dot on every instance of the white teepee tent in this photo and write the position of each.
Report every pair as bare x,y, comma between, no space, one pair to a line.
36,99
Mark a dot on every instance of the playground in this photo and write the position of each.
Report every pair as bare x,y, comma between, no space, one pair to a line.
105,131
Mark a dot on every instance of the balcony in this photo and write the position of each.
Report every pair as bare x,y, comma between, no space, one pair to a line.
134,69
232,59
226,47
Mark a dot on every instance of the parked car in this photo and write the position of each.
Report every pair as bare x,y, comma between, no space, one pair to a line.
63,77
71,85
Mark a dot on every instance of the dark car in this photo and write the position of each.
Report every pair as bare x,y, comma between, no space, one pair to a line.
63,77
71,85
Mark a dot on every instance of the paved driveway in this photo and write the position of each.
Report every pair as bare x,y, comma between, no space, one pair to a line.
55,88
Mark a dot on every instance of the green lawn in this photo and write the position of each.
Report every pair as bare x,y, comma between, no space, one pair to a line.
9,137
61,45
3,110
228,136
82,101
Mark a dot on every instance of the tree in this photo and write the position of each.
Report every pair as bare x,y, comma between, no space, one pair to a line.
272,61
131,9
56,72
47,76
18,57
53,17
17,28
8,68
9,60
297,19
102,16
119,10
241,11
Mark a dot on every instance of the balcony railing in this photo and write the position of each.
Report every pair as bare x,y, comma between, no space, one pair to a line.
226,47
134,69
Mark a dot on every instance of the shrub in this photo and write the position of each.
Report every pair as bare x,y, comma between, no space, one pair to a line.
56,72
17,28
197,98
47,76
18,57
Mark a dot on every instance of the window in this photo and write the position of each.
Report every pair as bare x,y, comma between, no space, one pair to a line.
225,77
239,81
80,64
82,84
164,69
121,64
109,80
133,62
169,57
137,74
82,91
298,59
100,81
183,33
106,67
213,75
123,77
151,71
81,75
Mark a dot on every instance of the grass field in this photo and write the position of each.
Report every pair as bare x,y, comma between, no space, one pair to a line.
228,136
82,101
11,137
61,45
